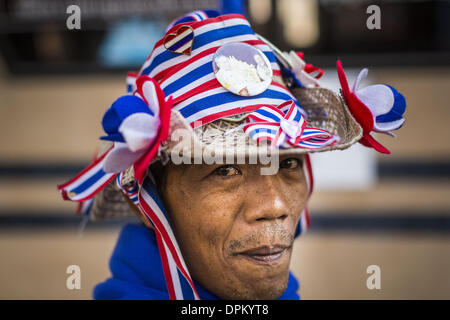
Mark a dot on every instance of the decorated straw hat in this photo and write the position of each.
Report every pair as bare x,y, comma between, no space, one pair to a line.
211,86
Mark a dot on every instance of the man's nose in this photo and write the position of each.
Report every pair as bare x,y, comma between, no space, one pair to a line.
265,201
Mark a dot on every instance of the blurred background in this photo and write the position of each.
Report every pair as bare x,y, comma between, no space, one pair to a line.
368,209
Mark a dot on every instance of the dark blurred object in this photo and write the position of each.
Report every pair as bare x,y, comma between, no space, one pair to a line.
412,32
34,38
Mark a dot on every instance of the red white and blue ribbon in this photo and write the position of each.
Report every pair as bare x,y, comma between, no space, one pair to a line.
131,191
84,207
305,222
286,129
88,182
179,283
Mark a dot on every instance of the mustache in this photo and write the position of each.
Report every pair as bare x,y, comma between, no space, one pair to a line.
271,235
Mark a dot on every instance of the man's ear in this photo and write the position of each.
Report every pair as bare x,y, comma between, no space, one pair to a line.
138,212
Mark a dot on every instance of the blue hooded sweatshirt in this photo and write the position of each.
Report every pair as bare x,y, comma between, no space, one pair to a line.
137,272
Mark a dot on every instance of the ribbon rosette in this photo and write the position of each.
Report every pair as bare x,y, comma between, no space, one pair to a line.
137,124
378,108
286,129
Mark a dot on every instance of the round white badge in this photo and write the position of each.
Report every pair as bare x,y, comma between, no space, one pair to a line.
242,69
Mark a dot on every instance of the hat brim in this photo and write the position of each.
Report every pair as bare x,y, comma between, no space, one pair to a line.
325,110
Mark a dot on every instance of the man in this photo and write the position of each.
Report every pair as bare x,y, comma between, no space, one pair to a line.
244,224
217,167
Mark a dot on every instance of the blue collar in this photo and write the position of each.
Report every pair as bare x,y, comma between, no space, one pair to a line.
137,272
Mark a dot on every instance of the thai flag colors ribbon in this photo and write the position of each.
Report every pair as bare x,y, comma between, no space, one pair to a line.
88,182
179,283
305,222
131,190
285,129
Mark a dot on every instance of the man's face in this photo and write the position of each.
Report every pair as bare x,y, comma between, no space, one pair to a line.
235,226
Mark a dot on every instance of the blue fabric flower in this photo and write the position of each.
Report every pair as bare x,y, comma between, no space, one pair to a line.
121,109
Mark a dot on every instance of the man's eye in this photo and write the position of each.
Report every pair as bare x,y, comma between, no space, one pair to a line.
227,171
291,163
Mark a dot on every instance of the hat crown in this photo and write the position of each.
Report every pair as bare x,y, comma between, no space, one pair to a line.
190,80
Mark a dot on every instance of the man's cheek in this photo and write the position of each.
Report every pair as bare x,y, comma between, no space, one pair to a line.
212,226
296,196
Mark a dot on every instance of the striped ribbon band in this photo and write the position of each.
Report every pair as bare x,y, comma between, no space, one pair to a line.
305,222
88,182
84,207
285,129
131,191
179,283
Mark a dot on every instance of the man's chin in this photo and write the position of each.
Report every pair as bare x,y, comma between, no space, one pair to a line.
267,289
262,281
239,282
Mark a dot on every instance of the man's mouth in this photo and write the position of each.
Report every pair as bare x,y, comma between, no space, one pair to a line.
265,254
